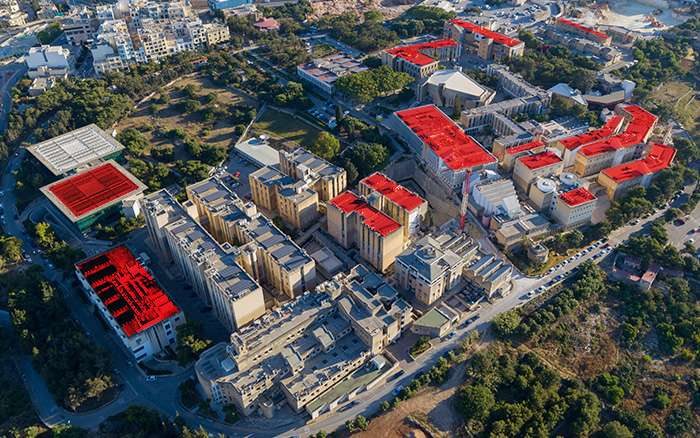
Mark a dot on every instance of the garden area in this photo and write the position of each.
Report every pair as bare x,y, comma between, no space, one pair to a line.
421,346
284,127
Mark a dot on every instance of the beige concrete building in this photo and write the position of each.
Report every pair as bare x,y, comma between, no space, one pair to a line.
541,165
444,86
485,43
574,208
353,221
434,266
420,60
266,253
512,233
490,274
510,156
236,299
295,202
400,204
309,353
582,31
324,178
436,322
617,180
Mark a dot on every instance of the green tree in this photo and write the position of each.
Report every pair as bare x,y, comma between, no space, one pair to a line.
350,424
191,342
679,420
686,151
366,86
384,406
690,248
373,15
339,114
475,402
504,324
574,238
190,91
133,140
212,97
325,145
456,106
361,422
615,429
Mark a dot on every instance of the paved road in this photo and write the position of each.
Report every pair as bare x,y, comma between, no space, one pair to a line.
10,74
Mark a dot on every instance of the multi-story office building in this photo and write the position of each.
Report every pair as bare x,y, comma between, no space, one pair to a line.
236,299
305,349
570,146
617,180
527,169
434,266
485,43
78,30
397,202
324,178
323,72
574,208
131,301
446,149
294,200
420,60
353,221
267,254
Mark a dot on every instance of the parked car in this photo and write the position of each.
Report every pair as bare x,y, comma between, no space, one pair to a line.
237,174
397,391
130,364
151,379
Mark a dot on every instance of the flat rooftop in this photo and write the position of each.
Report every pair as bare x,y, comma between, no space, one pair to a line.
606,131
445,138
500,38
82,194
128,291
258,152
397,194
71,150
577,196
377,221
524,147
413,53
540,160
330,68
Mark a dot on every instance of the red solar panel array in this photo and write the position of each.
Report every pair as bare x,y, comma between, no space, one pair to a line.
128,291
401,196
413,53
92,189
348,202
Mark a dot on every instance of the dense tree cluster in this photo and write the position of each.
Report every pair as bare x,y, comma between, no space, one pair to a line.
74,368
368,36
422,19
155,177
366,86
657,62
552,65
135,142
191,341
53,31
58,251
325,146
210,154
515,395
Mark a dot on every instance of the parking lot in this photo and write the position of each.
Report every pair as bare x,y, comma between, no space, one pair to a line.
325,113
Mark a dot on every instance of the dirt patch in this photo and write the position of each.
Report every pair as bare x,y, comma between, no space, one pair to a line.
390,9
439,403
221,132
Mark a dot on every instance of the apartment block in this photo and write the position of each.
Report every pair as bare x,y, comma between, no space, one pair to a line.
267,254
353,221
446,149
11,14
574,208
433,267
397,202
324,178
211,268
570,146
527,169
293,200
78,29
617,180
132,303
302,352
484,43
420,60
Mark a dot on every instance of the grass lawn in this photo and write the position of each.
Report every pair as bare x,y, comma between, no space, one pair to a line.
282,126
687,108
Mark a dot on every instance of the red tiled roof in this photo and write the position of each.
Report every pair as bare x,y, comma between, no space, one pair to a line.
524,147
413,53
542,159
500,38
650,275
589,137
399,195
128,291
377,221
660,157
445,138
577,196
90,190
266,23
584,28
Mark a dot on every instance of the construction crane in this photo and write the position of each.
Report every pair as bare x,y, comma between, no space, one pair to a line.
465,199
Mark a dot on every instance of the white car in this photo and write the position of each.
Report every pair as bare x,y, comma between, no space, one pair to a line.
151,379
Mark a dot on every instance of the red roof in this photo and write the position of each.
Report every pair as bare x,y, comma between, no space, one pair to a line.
445,138
266,23
524,147
589,137
584,28
660,157
399,195
577,196
377,221
128,291
500,38
542,159
413,53
91,190
637,131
